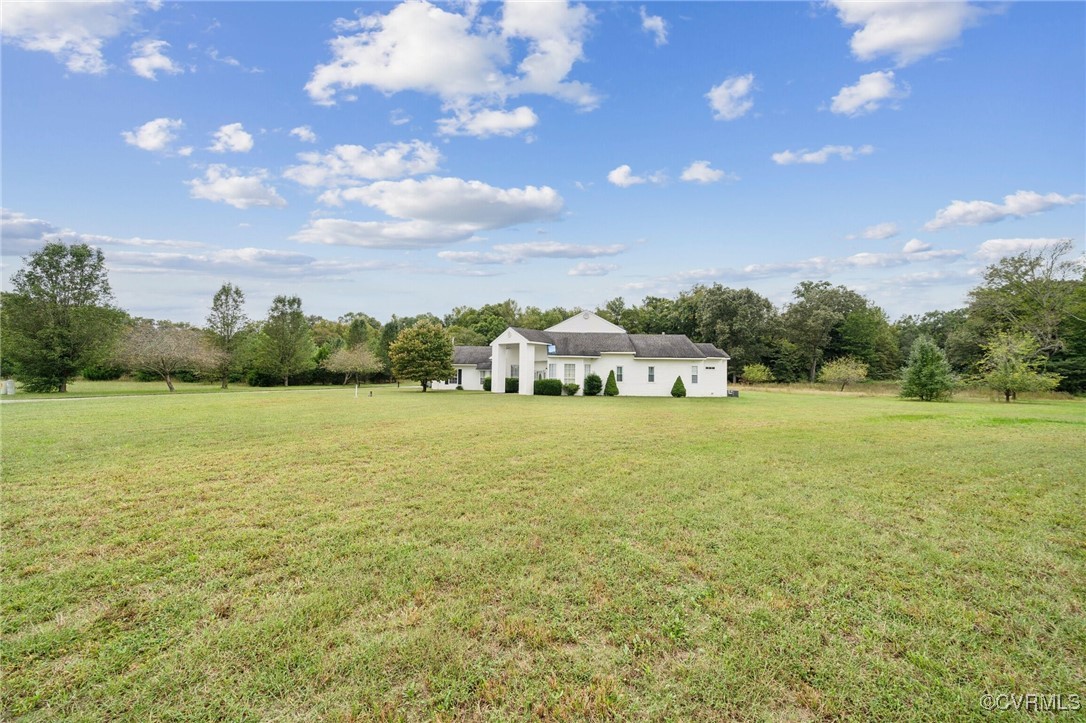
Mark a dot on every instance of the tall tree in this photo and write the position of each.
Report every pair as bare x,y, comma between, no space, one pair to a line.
739,321
810,320
165,349
226,323
1032,293
285,347
59,317
422,352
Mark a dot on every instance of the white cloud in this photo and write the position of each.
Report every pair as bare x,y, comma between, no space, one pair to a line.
232,138
914,246
148,58
226,185
906,30
464,59
996,248
485,123
587,269
155,135
823,154
347,165
517,253
304,133
21,234
432,212
1015,205
231,61
730,99
399,117
73,32
878,232
700,172
623,177
656,25
868,95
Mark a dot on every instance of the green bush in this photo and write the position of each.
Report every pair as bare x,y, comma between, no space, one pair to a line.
757,374
611,388
102,373
928,375
678,389
459,388
512,385
486,384
593,385
548,387
571,388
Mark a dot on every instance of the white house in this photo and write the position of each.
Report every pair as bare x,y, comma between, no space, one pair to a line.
645,365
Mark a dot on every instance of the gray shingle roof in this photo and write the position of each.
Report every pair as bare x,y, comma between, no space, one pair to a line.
477,355
650,346
711,351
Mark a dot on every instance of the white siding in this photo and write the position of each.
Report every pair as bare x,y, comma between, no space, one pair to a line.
469,376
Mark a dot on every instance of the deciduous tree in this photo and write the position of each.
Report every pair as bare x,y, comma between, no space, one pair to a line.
59,317
844,371
355,362
285,347
1011,365
165,349
422,352
226,323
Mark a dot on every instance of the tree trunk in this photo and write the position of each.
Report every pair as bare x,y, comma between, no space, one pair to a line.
843,386
64,386
814,368
169,382
286,381
1007,395
225,381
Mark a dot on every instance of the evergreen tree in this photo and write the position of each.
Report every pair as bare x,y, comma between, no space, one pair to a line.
611,388
285,347
678,389
928,375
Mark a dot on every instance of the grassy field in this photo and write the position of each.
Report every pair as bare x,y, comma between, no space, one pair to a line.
82,388
456,556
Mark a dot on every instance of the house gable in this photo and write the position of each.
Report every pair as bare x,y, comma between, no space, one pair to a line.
587,323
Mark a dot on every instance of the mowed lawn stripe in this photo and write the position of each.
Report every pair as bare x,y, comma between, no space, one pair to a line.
460,555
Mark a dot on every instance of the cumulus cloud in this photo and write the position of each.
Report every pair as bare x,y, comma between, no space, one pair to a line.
700,172
731,99
914,246
148,58
227,185
906,30
656,25
155,135
348,165
485,123
823,154
871,91
73,32
878,232
1015,205
623,177
20,234
996,248
432,212
465,59
587,269
231,138
304,133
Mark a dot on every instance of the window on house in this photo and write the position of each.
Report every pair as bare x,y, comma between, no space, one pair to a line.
456,378
514,371
618,374
552,371
482,378
570,373
693,375
652,374
587,370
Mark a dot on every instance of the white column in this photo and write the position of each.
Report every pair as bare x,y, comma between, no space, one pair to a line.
498,369
527,368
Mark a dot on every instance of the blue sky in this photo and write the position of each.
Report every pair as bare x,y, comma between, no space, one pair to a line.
393,158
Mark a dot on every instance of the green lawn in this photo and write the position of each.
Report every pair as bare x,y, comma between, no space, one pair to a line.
307,555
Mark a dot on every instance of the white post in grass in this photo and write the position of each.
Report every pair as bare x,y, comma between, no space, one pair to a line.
356,391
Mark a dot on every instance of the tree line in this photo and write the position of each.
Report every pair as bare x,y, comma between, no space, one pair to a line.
1026,320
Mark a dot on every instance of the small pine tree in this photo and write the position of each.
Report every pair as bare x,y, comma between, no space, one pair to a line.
593,385
611,388
678,389
927,375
